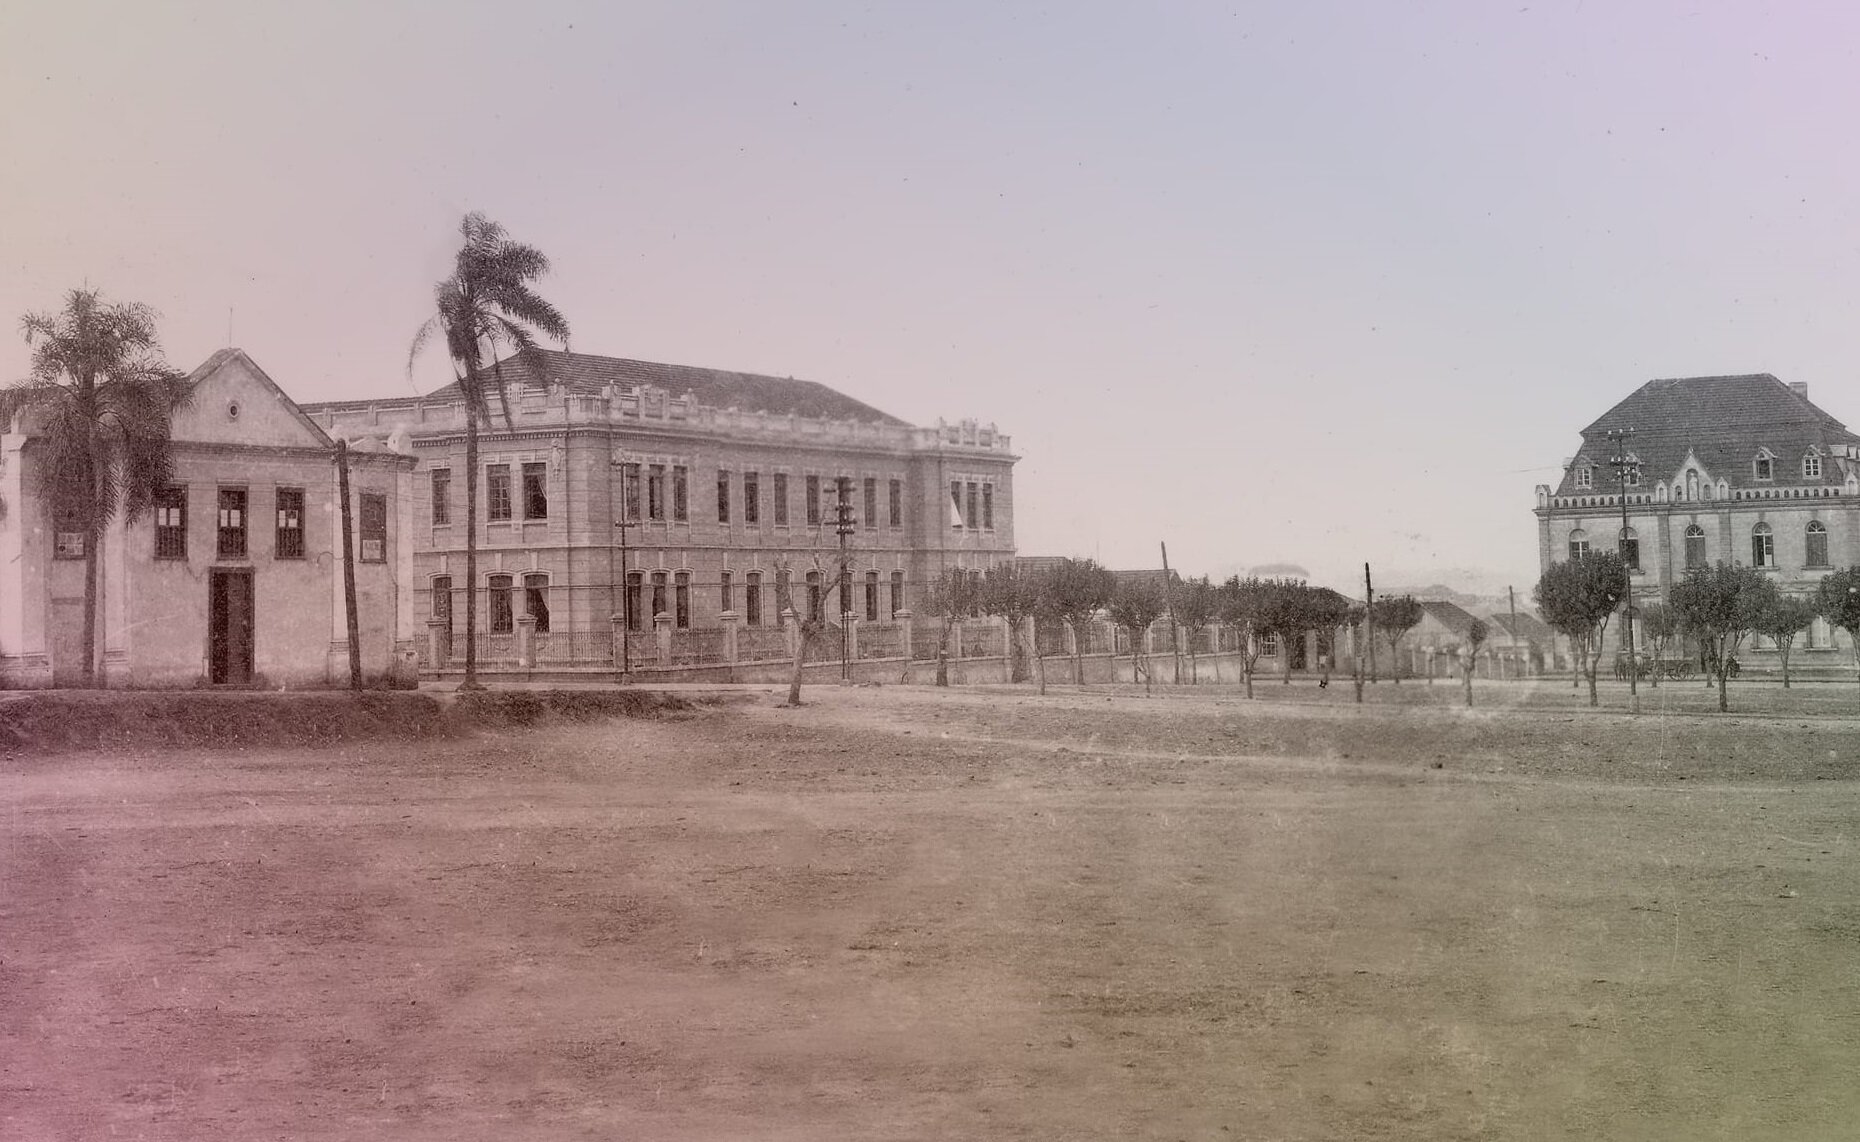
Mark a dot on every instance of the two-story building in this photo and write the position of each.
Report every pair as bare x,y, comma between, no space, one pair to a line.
1738,469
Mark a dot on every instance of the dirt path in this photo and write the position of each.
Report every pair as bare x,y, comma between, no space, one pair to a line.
910,914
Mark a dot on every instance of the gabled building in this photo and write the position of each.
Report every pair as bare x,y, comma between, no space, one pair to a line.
235,576
617,496
1738,469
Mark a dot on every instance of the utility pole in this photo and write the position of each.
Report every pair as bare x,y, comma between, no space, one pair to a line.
348,567
1369,620
843,526
1621,462
1512,597
1175,632
626,599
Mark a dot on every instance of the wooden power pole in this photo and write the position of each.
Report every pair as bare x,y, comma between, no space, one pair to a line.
348,567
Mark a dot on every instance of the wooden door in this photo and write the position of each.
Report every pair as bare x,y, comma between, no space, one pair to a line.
229,627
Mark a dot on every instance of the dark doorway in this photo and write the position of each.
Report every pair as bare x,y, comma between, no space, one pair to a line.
1297,649
229,628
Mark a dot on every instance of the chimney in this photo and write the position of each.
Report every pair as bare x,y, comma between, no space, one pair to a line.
1801,388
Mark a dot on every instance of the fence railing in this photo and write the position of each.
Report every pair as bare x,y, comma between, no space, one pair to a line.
761,644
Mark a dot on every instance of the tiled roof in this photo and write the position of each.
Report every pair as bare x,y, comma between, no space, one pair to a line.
1528,627
1723,422
714,388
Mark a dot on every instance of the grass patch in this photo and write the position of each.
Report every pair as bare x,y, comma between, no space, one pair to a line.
78,720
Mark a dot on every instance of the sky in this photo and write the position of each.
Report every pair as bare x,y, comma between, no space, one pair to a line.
1306,283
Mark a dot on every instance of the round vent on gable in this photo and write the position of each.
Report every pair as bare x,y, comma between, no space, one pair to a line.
232,411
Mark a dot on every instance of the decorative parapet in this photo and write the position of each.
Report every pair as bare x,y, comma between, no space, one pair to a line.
647,406
1736,495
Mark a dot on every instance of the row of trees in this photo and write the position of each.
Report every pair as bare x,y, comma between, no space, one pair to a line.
1715,608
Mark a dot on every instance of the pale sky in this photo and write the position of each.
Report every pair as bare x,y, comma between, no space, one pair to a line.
1317,283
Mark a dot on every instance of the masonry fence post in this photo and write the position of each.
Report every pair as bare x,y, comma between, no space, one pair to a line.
526,640
662,631
435,643
791,625
617,637
852,621
731,621
903,619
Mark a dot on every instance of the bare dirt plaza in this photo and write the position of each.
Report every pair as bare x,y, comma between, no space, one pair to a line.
909,913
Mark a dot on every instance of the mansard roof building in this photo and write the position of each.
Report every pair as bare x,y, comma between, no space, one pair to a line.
1736,469
727,485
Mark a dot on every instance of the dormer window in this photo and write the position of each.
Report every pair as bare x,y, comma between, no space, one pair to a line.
1765,467
1811,466
1585,476
1630,477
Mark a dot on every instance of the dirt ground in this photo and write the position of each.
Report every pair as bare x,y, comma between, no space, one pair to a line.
904,913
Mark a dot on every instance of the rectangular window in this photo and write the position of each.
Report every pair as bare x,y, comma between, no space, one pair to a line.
870,519
289,543
897,593
897,503
535,491
67,527
955,503
374,528
1765,468
1762,549
658,593
536,599
752,498
724,591
752,599
681,492
655,492
500,588
629,492
988,506
1585,476
780,492
974,517
634,582
681,592
497,492
1811,467
442,496
871,596
813,499
171,523
232,523
723,496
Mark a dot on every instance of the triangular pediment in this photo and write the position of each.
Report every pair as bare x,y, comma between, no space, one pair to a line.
232,401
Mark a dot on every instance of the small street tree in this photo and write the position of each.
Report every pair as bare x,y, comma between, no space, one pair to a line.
1578,598
1394,616
1659,626
1135,604
1783,618
1720,605
1469,653
1284,614
1241,604
1326,611
954,595
1838,599
1196,604
100,399
1074,591
1013,594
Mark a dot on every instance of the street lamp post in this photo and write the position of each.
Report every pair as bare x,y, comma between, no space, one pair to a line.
1621,462
843,526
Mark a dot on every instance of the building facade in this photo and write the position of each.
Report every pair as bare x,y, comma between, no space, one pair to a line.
1736,469
235,575
625,496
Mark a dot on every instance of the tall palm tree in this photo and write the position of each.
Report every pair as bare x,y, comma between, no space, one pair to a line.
485,307
100,398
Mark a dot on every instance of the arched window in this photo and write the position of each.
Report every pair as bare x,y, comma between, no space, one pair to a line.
871,593
1817,545
813,596
1630,549
752,598
1765,465
1762,546
634,585
897,593
503,619
681,600
1695,547
536,599
658,594
1578,544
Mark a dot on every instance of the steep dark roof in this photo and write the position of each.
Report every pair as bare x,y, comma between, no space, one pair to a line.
1448,615
1528,627
586,374
1723,421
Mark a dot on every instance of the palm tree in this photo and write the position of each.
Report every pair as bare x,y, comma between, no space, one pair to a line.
485,306
100,398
